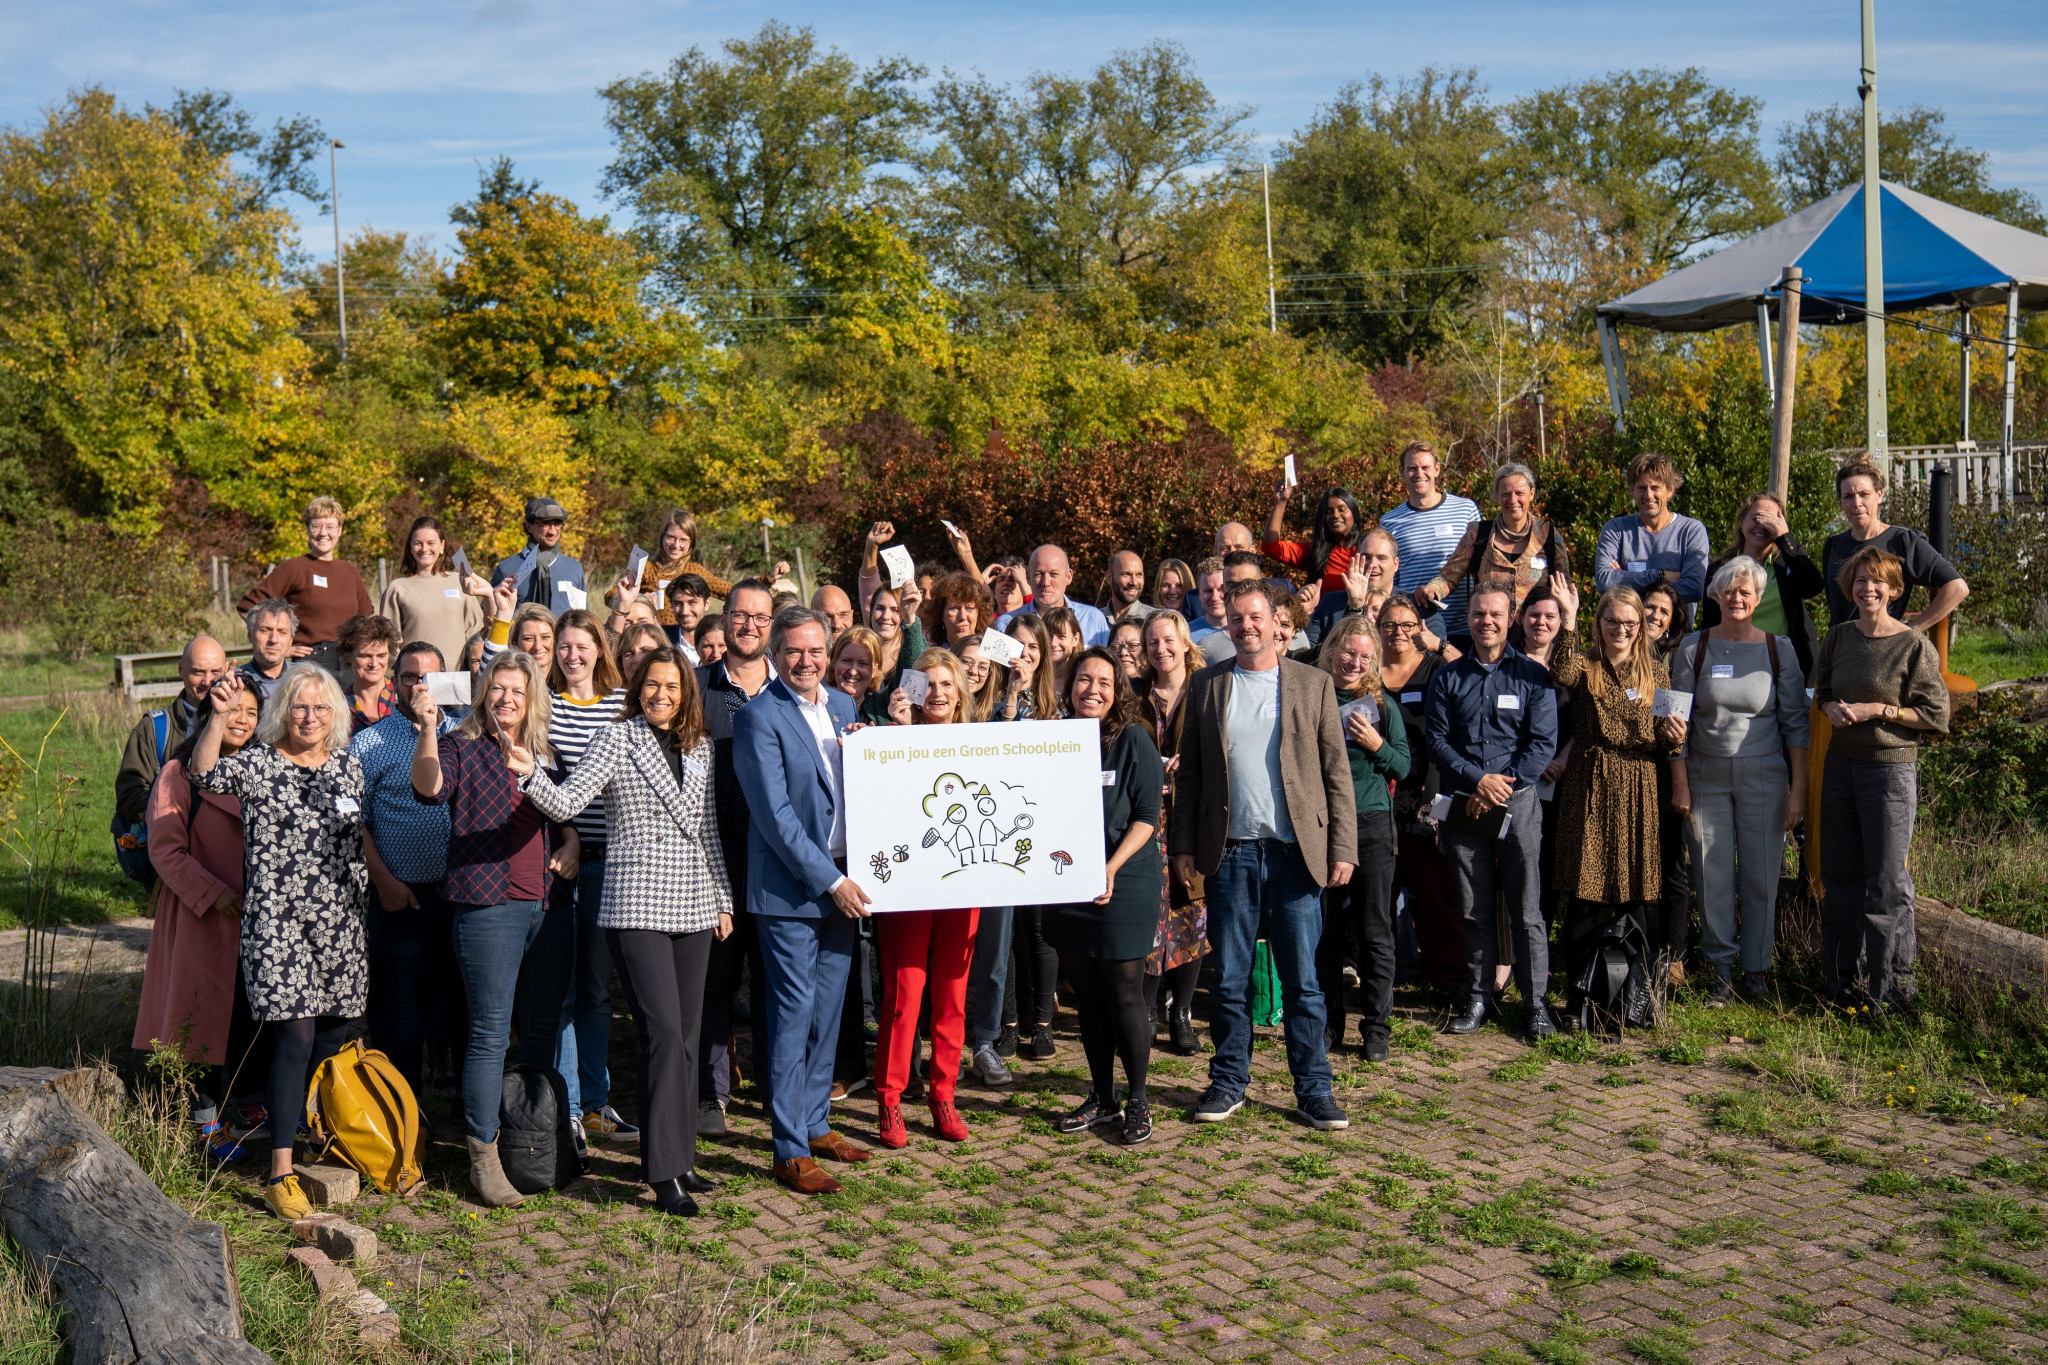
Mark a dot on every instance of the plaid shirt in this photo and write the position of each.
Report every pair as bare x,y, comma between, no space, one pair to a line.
497,839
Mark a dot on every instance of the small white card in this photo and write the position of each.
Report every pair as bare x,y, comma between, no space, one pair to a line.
1449,532
1292,480
902,568
915,685
999,648
1273,709
661,592
636,562
346,805
1724,670
319,580
1639,566
1538,563
1440,809
1632,694
1360,706
461,563
448,689
578,599
1508,701
1506,823
1670,703
951,529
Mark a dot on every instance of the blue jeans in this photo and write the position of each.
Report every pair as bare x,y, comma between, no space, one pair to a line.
513,957
584,1045
988,976
1264,884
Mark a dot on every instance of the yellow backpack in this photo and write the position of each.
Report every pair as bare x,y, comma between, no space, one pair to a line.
361,1109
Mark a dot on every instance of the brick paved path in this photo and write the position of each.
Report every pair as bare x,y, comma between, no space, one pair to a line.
1485,1200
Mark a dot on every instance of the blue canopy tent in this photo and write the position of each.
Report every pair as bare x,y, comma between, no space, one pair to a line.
1935,256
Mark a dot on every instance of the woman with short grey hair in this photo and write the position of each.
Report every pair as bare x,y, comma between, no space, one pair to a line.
1512,546
1745,765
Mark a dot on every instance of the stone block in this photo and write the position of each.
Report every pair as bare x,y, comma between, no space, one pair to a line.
379,1329
307,1230
333,1281
328,1185
346,1241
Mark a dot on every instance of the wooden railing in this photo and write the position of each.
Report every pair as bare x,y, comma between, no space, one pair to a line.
1982,478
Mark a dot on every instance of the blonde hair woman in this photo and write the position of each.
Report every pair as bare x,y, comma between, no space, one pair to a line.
1609,861
497,884
302,950
930,950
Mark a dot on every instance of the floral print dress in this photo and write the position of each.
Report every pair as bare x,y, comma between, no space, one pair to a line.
305,882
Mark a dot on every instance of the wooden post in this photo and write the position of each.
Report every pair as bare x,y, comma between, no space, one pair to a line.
1788,376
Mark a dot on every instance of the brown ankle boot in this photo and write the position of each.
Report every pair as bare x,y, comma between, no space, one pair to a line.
487,1177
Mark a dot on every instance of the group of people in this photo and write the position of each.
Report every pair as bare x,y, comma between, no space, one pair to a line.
1407,765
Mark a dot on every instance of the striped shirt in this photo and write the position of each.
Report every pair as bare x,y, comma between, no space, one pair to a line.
572,725
1425,541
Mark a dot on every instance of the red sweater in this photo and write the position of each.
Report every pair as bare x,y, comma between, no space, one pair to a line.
324,592
1293,552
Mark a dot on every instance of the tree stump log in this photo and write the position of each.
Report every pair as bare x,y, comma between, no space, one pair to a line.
2009,957
141,1282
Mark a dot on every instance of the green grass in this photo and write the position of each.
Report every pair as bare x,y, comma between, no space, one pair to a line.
1995,870
32,666
78,750
1987,656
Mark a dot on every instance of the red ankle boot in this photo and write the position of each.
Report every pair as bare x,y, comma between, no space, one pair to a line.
889,1130
947,1120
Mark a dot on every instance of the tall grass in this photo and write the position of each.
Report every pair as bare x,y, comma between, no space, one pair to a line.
39,843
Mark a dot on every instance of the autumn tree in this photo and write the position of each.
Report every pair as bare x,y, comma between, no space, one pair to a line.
732,167
1823,152
283,161
547,303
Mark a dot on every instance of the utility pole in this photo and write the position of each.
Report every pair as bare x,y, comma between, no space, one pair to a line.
1788,374
340,285
1876,422
1272,296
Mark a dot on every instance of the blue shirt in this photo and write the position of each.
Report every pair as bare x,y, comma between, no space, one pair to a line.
1643,555
1094,625
1499,719
412,837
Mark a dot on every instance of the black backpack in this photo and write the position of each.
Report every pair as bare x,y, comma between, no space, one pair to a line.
536,1145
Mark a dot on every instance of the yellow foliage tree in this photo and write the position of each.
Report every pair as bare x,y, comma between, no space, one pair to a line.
490,453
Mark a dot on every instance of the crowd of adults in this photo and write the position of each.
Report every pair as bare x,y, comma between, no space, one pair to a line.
1407,768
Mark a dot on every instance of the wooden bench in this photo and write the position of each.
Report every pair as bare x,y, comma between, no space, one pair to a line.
152,688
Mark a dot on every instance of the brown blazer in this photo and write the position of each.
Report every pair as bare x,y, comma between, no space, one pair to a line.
1314,770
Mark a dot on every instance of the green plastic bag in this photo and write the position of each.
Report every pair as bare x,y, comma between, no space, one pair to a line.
1266,1007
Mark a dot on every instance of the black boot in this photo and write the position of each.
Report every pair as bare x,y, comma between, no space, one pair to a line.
1472,1017
696,1184
1180,1029
669,1198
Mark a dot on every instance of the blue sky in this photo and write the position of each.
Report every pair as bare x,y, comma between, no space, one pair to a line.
423,92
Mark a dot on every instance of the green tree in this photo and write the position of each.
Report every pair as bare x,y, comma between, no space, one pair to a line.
138,296
732,167
1677,156
1387,206
1823,152
1045,186
286,161
546,303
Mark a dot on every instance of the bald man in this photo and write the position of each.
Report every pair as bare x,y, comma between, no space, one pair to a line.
836,606
159,733
1234,535
1123,588
1051,574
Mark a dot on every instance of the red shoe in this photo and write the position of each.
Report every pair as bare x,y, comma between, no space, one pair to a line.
947,1120
889,1129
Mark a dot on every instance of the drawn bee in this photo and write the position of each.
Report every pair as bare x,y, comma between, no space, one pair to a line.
902,853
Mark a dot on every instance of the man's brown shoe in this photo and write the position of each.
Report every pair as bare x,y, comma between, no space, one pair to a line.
804,1176
833,1147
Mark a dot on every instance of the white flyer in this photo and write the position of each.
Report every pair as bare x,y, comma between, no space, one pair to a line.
578,598
902,568
1292,481
635,563
951,529
915,685
448,689
943,816
1670,703
1358,706
999,648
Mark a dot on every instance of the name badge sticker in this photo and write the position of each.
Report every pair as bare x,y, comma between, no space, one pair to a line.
1109,777
1538,563
1632,694
1411,698
451,592
1724,670
1639,566
319,580
1507,701
346,805
1273,710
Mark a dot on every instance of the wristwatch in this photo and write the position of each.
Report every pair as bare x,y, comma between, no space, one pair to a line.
1891,713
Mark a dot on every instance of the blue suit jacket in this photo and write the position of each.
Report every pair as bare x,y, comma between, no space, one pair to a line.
790,801
532,588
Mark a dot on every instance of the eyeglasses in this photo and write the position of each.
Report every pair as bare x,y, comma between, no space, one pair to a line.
319,712
1401,627
750,619
1622,627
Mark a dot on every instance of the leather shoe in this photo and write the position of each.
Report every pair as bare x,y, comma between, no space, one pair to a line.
696,1184
833,1147
669,1198
1541,1025
804,1176
1375,1047
1472,1018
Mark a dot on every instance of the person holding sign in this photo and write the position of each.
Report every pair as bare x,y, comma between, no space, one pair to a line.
303,960
1609,860
1264,811
1329,550
1879,682
1747,726
1103,944
665,896
926,950
1491,726
541,572
513,954
1362,910
430,600
785,746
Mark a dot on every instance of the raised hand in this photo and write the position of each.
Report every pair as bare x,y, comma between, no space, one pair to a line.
881,533
476,586
1310,594
425,709
1356,585
504,599
224,693
628,590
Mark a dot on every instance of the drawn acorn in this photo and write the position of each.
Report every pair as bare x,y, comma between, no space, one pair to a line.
1061,861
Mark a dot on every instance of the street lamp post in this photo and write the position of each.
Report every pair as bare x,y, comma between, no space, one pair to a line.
340,283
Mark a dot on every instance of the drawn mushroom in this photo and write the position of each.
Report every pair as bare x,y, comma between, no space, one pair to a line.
1061,861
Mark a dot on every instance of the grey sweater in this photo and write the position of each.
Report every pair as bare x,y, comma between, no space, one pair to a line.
1733,715
1898,670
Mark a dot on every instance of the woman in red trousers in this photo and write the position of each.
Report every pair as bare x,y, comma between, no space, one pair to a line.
924,950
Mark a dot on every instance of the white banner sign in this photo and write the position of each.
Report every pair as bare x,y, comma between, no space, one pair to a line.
941,817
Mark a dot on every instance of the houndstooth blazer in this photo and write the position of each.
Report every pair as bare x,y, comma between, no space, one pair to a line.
664,868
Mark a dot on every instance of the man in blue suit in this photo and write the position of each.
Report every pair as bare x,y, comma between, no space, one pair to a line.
786,749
